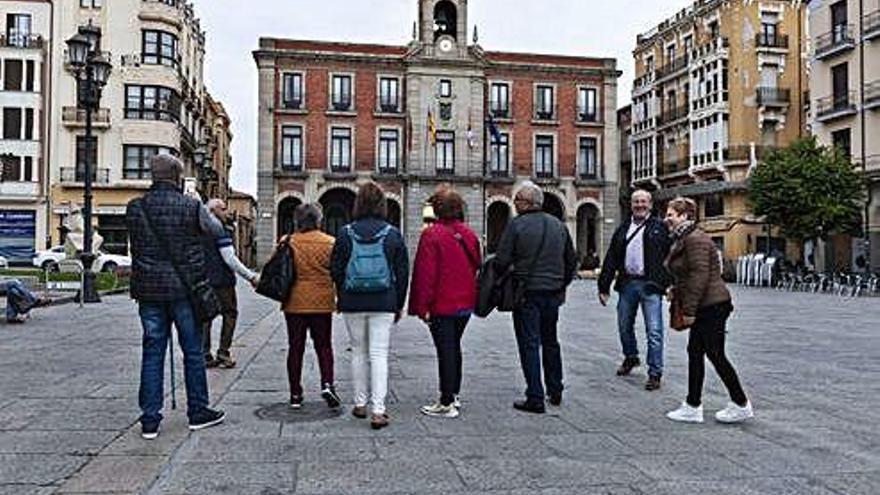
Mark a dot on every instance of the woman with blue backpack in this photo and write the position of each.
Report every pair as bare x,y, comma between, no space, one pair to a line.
370,268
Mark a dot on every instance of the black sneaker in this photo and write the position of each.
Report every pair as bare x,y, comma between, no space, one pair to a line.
627,365
556,399
296,402
529,406
206,419
149,431
329,395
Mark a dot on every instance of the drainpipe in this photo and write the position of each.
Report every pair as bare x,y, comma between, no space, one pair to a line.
47,128
867,212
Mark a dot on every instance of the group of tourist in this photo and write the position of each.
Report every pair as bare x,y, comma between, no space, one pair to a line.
364,273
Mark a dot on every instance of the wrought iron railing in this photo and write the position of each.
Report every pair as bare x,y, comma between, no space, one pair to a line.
835,104
673,67
770,40
840,37
77,174
773,96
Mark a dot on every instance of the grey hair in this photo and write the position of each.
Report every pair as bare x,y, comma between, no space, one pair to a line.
166,168
213,203
307,217
530,191
642,192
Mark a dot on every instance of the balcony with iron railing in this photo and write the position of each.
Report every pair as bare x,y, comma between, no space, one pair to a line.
872,95
588,115
21,39
76,175
389,107
341,105
295,103
544,113
717,45
669,115
673,68
871,25
773,97
838,40
836,106
499,109
644,80
770,40
76,117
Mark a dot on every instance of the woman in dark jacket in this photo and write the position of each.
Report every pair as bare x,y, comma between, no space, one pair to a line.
370,268
706,304
443,292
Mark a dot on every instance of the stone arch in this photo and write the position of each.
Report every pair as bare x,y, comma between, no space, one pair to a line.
284,214
338,204
445,19
554,205
498,215
589,219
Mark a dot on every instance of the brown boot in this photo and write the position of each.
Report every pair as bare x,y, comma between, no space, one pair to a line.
359,412
379,421
653,383
627,365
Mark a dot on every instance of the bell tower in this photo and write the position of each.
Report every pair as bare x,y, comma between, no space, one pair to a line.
443,27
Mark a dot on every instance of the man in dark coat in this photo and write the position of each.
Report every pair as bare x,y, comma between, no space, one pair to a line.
165,230
635,258
539,248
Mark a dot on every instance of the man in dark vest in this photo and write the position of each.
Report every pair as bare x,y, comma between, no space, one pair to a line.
222,264
635,259
161,224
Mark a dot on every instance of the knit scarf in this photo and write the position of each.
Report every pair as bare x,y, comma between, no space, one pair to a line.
683,229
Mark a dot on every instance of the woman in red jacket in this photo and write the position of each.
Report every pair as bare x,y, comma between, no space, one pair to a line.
443,291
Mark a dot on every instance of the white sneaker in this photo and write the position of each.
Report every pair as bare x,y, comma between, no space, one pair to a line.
439,410
686,414
734,413
456,402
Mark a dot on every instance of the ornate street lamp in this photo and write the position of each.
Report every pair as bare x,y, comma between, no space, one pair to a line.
92,70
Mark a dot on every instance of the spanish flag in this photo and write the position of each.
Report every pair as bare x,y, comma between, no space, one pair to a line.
432,129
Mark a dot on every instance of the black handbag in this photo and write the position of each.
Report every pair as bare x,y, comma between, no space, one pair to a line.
278,274
511,290
205,303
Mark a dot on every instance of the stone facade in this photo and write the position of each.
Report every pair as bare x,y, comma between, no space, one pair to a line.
845,103
318,139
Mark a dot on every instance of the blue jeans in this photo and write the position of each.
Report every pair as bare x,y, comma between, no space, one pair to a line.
637,292
156,319
19,300
535,326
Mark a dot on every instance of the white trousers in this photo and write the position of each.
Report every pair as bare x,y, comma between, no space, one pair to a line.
370,337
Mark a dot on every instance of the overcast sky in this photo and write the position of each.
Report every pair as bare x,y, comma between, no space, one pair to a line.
603,28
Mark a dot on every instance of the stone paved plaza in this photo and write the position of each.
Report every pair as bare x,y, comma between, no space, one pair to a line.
811,364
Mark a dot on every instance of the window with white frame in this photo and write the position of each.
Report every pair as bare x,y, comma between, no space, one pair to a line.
389,150
544,102
292,147
17,168
445,88
499,150
445,153
544,156
151,103
94,4
292,90
588,109
499,100
588,158
389,94
18,30
340,149
341,96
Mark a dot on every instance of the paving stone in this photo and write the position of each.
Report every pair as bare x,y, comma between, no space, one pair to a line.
38,469
115,474
233,478
377,477
548,472
690,466
51,442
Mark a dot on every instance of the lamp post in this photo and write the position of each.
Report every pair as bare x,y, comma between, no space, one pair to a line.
91,69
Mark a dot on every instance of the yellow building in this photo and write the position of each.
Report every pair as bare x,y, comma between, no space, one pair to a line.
717,86
154,102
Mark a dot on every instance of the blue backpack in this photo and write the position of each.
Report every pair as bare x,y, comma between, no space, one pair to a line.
367,269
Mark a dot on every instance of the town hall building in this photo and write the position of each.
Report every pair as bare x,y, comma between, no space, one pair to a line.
440,109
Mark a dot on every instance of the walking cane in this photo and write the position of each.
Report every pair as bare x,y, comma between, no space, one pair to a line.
171,363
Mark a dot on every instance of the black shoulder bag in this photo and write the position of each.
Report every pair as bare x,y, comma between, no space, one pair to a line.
205,304
278,274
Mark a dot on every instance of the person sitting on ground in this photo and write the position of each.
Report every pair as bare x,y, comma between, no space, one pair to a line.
19,300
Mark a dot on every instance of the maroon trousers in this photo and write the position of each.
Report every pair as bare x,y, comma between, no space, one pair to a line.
319,325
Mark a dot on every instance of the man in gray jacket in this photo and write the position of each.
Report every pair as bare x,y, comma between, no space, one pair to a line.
540,249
